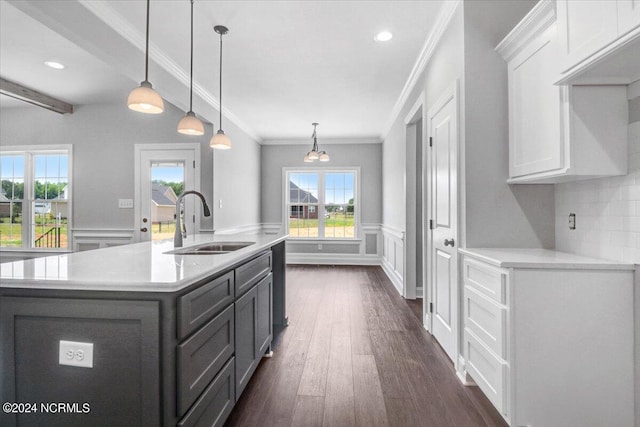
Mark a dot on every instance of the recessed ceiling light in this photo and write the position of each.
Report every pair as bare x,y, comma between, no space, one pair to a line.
54,64
383,36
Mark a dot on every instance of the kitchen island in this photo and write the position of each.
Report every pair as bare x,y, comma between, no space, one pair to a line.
137,335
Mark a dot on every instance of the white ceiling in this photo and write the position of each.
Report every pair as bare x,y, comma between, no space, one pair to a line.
286,63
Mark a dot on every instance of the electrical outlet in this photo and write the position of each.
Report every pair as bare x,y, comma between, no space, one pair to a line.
78,354
319,246
572,221
125,203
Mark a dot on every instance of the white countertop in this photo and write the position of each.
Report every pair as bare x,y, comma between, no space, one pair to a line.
139,267
541,258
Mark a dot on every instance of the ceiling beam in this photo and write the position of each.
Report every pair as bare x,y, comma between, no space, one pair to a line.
17,91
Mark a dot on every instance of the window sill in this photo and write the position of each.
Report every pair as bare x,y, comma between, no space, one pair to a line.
323,240
36,251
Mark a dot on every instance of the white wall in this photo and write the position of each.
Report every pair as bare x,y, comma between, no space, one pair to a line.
367,156
103,138
607,210
495,214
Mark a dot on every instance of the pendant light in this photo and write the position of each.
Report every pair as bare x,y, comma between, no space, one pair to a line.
190,124
143,98
315,154
220,140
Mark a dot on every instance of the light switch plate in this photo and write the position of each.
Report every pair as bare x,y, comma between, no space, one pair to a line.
125,203
74,353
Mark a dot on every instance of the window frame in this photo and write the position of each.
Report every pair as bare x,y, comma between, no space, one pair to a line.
286,171
29,152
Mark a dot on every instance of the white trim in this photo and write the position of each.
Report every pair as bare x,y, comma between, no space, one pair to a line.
393,275
535,22
332,259
419,291
441,24
411,116
321,170
138,149
102,10
27,196
102,237
393,231
249,228
322,142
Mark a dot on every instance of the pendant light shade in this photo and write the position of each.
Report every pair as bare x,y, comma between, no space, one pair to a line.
315,153
190,124
143,98
220,141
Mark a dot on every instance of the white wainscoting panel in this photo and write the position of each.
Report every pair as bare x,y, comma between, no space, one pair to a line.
393,255
86,239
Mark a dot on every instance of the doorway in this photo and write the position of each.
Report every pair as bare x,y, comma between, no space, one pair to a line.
163,172
414,205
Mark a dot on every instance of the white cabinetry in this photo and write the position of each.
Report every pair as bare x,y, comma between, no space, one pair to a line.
558,133
585,26
548,337
598,40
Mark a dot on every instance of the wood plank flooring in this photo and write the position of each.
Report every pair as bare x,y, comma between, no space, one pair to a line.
355,354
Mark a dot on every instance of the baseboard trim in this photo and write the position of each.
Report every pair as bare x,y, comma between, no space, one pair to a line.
420,292
332,259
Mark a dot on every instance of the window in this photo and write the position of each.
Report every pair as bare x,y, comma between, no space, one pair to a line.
322,204
35,197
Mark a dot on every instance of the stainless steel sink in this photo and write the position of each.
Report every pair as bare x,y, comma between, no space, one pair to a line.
211,248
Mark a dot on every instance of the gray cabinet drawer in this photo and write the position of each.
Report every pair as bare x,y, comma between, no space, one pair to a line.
216,402
201,356
251,272
200,305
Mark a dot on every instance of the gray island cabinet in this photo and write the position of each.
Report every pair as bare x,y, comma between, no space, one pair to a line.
163,352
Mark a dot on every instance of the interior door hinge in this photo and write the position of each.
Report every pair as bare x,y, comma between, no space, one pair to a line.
194,219
194,164
430,307
430,224
430,141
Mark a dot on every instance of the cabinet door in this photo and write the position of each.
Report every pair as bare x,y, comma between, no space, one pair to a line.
246,322
535,141
265,314
585,26
628,15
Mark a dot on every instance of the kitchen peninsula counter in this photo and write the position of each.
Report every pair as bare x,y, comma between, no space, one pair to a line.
174,338
139,267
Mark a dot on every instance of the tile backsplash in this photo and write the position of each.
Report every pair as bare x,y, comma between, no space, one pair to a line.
607,212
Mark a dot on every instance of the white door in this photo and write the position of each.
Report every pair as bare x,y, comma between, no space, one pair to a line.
443,129
158,166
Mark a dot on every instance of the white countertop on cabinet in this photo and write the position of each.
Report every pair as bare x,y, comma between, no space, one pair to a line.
541,258
139,267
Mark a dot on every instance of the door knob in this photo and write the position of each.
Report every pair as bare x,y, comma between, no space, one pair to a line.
449,242
143,229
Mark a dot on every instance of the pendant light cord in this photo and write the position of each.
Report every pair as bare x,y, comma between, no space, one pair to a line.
191,70
146,57
220,80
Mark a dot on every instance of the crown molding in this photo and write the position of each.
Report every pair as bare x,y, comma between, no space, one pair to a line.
535,22
103,11
322,142
441,24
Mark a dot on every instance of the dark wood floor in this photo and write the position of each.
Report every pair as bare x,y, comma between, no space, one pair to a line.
356,355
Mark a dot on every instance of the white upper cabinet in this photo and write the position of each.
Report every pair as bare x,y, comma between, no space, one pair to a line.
585,26
599,41
558,133
628,15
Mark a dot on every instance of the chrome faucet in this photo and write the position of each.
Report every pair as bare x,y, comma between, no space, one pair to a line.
181,230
